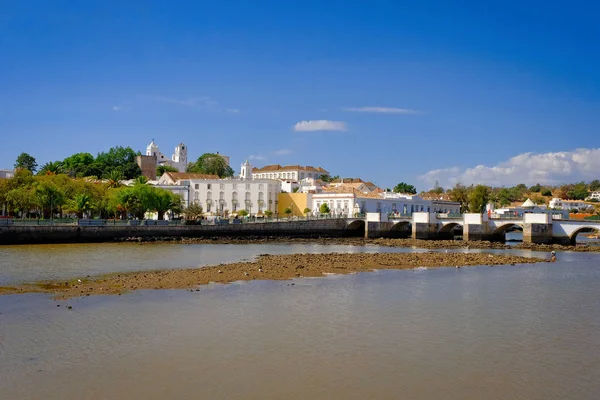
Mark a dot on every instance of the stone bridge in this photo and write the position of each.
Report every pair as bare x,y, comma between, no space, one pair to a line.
537,228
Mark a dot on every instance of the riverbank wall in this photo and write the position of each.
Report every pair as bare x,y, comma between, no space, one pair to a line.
83,234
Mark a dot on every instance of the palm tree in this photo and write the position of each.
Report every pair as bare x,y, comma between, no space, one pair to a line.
51,168
142,180
80,204
113,178
163,201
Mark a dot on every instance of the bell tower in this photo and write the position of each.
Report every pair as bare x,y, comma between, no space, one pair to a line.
246,172
180,156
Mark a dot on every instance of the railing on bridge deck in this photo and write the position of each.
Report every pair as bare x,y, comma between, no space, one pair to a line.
152,222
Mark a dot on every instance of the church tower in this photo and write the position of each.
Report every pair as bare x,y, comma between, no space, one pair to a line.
152,150
180,156
246,171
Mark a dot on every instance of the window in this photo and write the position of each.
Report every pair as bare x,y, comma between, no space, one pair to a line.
208,206
394,207
208,186
196,186
208,195
247,196
247,186
196,196
221,195
235,186
234,196
261,186
222,186
378,207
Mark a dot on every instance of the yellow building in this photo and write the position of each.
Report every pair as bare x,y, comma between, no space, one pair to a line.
297,202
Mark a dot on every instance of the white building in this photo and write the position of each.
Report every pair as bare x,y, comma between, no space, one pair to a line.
7,173
178,159
560,204
226,196
342,201
594,196
295,172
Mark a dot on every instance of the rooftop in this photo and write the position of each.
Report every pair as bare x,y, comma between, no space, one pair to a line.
277,167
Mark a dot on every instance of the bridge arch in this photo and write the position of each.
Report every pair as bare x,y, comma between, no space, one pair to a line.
502,229
357,227
446,232
401,229
449,227
583,229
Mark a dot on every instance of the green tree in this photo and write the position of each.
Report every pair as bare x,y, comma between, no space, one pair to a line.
26,161
193,211
437,189
80,165
460,194
536,188
578,191
595,185
242,213
327,178
287,211
122,159
324,208
80,204
306,211
142,180
269,213
404,187
479,198
161,169
114,179
546,192
211,164
51,168
162,201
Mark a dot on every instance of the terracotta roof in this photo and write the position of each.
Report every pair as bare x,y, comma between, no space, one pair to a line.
350,190
348,180
178,176
277,167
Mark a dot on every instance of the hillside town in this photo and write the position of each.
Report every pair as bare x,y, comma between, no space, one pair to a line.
280,191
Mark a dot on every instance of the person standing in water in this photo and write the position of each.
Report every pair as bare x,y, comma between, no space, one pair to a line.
552,256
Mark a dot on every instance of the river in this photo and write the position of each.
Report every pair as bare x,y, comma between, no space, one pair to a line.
515,332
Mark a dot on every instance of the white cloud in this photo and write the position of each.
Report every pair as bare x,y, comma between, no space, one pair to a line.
256,157
118,108
382,110
527,168
282,152
320,125
233,110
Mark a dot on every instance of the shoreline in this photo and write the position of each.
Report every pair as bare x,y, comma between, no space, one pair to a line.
265,267
359,241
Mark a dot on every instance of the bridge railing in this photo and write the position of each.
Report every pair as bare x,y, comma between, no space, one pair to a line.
399,216
449,216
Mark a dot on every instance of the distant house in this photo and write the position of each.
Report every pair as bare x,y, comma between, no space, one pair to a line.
560,204
7,173
594,196
295,172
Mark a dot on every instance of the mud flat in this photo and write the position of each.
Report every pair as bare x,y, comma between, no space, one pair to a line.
265,267
358,241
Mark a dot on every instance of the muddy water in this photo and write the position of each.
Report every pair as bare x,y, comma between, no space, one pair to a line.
529,332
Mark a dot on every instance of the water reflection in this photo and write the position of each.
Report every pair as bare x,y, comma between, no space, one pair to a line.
522,332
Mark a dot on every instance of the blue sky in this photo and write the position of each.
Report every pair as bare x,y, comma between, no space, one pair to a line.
408,91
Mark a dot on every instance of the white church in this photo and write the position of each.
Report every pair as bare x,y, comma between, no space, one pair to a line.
178,159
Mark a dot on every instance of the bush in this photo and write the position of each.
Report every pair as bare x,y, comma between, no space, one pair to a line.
324,209
546,192
242,213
